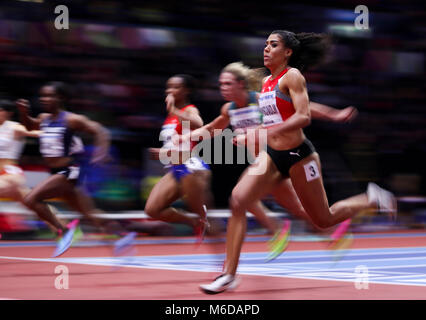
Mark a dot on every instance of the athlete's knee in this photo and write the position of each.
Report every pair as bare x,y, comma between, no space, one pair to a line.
323,222
153,211
18,193
238,204
29,200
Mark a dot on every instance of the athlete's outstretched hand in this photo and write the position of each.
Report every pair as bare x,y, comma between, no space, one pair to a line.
23,106
178,139
170,103
100,156
154,153
346,115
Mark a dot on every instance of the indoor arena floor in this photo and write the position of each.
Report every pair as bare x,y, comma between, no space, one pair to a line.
377,266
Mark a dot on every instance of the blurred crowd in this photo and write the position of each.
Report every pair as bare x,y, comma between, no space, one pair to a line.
117,56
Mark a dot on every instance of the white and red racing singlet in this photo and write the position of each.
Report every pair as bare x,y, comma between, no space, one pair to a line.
172,126
275,105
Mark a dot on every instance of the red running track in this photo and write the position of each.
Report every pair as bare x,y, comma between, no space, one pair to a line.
35,280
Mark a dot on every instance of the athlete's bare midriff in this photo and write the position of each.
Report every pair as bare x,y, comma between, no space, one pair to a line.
57,162
286,140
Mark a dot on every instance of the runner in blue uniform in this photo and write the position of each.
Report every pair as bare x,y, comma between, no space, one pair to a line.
59,146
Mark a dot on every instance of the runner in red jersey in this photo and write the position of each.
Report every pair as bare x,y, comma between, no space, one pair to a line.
187,177
241,112
284,103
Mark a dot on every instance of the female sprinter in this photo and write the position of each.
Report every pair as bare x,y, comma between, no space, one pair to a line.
237,83
242,112
284,103
12,139
59,146
187,177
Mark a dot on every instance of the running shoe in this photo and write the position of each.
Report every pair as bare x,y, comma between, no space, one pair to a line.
279,242
340,232
220,284
125,245
339,248
385,200
340,240
65,242
78,235
58,235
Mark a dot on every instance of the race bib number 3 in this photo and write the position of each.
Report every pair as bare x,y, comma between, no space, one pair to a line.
311,171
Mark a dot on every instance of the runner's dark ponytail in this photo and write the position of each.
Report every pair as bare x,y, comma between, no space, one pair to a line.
309,49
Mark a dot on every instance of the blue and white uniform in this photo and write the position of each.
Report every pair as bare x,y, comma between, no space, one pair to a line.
57,141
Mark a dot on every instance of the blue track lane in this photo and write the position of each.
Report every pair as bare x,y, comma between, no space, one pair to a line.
399,266
177,240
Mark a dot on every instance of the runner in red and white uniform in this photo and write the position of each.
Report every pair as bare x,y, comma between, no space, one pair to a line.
12,140
241,111
284,103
